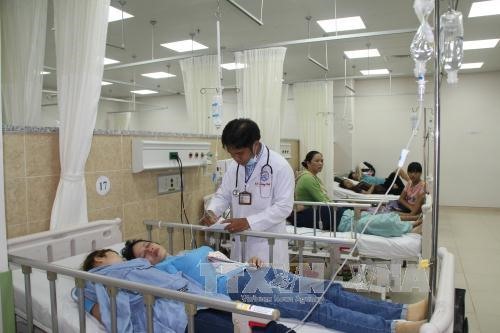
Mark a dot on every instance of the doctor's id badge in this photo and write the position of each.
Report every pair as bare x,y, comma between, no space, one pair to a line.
245,198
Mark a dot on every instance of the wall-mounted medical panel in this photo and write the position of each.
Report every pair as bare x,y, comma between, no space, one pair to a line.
155,155
286,150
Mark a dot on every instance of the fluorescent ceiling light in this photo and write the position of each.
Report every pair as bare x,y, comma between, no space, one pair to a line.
233,65
469,65
115,14
480,44
485,8
105,83
108,61
184,46
158,75
342,24
362,53
143,92
375,71
44,72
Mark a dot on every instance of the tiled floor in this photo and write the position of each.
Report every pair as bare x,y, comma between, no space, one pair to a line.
473,236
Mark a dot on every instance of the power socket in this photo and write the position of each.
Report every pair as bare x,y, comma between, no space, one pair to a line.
169,183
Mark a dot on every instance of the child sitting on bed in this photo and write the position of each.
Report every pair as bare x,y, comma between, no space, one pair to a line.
413,196
339,310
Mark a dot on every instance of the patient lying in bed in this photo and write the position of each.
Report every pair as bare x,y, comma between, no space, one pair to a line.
291,294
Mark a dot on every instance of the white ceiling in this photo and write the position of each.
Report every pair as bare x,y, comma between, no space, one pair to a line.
284,20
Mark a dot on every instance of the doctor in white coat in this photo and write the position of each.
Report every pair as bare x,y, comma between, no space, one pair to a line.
258,186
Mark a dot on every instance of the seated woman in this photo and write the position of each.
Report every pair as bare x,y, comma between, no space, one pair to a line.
308,187
293,295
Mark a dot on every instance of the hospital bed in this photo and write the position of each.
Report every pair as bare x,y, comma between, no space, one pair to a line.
385,255
49,262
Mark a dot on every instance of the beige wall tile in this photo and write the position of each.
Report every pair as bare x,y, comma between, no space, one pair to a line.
38,226
169,207
126,151
138,186
134,215
108,213
13,155
15,201
105,154
42,155
114,196
41,194
16,230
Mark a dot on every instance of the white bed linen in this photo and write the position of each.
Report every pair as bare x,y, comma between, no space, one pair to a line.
67,308
343,193
403,247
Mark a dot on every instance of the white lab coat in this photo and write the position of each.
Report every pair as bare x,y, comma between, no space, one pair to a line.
268,211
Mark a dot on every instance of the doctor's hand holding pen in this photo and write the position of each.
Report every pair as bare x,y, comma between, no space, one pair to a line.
208,218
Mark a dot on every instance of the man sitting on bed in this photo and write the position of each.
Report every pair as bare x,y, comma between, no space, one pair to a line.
293,295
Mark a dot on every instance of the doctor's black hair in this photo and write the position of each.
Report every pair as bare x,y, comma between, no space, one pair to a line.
309,157
240,133
414,167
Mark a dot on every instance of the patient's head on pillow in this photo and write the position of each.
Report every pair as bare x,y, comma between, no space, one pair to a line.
99,258
140,248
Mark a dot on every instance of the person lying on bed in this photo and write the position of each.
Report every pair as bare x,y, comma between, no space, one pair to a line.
293,295
169,316
309,187
379,183
390,224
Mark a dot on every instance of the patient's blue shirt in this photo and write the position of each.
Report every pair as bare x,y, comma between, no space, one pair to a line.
194,264
372,180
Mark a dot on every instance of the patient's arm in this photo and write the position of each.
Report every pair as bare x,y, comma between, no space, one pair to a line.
96,312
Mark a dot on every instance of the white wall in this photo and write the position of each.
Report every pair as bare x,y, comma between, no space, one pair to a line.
469,139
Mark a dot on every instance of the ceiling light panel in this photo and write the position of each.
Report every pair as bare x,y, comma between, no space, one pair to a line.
143,92
380,71
362,53
115,14
105,83
480,44
158,75
342,24
108,61
485,8
233,65
184,46
472,65
44,72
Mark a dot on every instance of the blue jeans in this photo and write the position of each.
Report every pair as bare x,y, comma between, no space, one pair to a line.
294,296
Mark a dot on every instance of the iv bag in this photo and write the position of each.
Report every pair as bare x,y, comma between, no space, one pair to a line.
217,111
451,43
422,46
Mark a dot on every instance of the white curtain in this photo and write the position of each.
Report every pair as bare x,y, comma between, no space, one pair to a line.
283,106
200,73
23,43
80,36
314,107
260,84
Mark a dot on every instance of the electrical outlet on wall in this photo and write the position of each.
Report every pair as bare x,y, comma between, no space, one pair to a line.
169,183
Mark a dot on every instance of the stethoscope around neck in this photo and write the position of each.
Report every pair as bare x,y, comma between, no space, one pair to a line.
267,165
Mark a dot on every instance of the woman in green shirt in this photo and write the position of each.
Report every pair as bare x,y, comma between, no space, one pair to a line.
308,187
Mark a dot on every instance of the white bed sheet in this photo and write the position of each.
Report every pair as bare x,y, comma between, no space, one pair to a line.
403,247
67,308
343,193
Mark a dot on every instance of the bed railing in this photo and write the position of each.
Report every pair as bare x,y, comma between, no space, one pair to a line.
444,303
149,293
334,243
